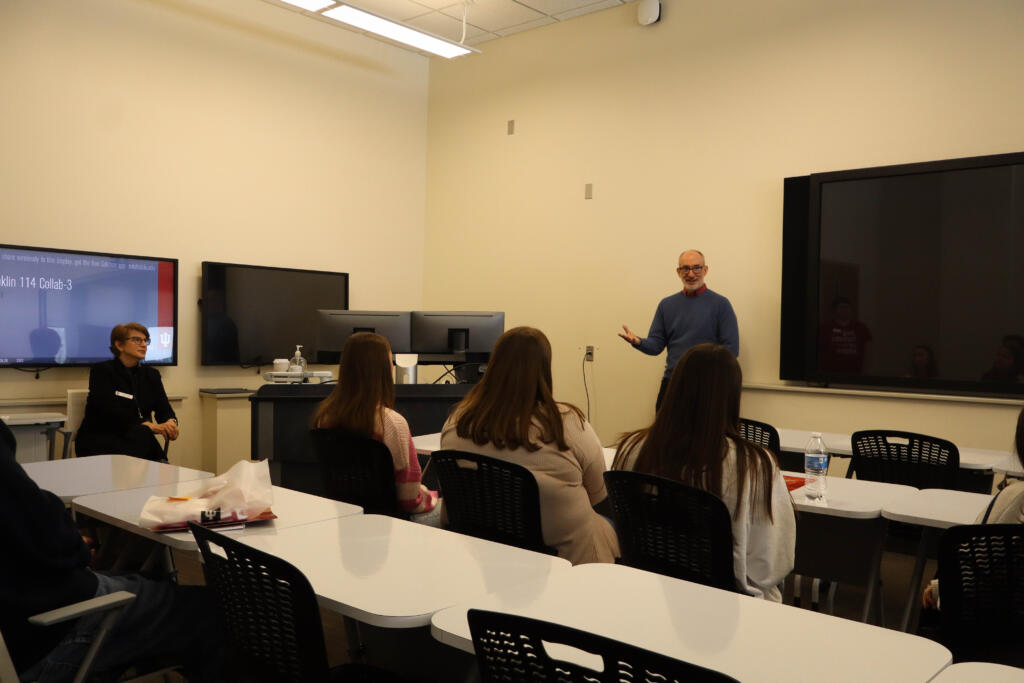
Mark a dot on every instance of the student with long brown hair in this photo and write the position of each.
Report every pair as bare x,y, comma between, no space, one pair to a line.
363,403
512,415
695,439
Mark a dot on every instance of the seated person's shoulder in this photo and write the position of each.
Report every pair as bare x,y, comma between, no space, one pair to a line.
395,419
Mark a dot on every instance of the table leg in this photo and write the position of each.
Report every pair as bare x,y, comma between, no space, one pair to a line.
356,648
913,605
51,433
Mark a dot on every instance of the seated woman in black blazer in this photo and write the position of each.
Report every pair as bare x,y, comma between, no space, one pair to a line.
127,406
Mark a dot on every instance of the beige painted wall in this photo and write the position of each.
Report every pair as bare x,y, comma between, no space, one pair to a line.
686,129
223,130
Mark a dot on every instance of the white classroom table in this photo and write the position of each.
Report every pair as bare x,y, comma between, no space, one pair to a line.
841,537
396,574
980,672
850,498
428,443
744,637
121,509
934,510
795,440
75,477
1010,466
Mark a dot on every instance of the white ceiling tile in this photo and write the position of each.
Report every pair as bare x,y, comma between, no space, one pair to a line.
543,21
399,10
481,38
444,26
492,15
587,9
555,6
438,4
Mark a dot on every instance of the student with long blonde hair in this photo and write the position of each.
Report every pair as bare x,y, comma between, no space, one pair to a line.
363,403
512,415
695,440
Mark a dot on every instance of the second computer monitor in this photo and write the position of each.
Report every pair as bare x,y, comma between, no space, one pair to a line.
447,332
336,326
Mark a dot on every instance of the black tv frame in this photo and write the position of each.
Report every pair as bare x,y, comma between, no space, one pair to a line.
172,362
801,273
203,314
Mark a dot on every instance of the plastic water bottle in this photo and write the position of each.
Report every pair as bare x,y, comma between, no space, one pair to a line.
815,467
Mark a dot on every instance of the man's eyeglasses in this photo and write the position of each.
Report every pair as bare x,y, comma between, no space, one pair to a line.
139,340
697,270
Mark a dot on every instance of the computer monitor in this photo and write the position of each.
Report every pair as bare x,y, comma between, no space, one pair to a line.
336,326
456,332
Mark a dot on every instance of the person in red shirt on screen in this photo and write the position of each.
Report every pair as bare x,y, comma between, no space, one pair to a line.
843,340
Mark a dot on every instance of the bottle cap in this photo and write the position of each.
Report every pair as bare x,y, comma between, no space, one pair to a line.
815,434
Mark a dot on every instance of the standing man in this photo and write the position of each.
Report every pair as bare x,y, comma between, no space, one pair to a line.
693,316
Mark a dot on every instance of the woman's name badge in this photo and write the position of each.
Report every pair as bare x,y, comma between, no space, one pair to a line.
123,395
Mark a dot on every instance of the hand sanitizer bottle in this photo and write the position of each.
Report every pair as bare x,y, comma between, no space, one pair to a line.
297,363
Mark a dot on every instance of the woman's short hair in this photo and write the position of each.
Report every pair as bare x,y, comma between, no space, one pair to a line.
121,332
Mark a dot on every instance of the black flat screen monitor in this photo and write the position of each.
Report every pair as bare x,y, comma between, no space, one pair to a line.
57,307
337,326
907,276
254,314
455,332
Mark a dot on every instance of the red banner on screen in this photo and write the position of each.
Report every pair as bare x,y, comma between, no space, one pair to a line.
165,294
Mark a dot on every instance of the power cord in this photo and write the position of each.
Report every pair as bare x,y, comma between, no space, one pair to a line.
36,370
585,388
451,370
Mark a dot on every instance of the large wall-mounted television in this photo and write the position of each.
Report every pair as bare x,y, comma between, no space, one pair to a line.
907,277
57,307
254,314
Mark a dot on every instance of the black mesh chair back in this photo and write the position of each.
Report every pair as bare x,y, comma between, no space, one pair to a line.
761,433
490,498
269,611
981,588
667,527
511,649
357,470
895,457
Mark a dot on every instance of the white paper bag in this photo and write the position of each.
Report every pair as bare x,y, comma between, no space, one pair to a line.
243,492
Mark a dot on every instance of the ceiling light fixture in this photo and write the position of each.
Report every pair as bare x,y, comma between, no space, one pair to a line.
394,31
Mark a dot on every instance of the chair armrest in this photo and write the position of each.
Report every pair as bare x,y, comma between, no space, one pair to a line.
79,609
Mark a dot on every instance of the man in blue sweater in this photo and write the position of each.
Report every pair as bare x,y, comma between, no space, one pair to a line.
693,316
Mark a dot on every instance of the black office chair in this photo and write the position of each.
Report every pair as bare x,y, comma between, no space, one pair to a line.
490,498
981,588
895,457
763,434
513,649
270,614
356,470
667,527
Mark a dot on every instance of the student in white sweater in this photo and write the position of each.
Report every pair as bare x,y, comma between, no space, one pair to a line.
695,439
